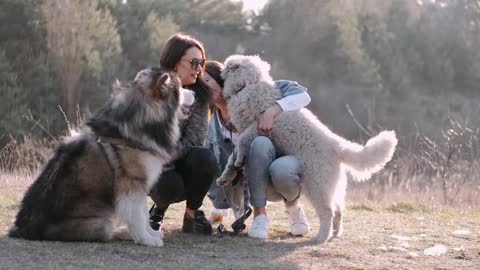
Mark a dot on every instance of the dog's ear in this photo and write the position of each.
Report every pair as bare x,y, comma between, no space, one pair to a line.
161,86
164,79
232,66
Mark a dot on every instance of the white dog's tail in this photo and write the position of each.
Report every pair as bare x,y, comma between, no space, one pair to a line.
369,159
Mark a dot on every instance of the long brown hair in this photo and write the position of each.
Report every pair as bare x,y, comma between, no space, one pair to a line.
174,50
214,69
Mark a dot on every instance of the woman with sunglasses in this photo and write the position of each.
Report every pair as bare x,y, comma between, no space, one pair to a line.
193,170
271,176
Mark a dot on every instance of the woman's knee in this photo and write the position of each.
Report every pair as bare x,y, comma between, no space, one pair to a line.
202,160
200,168
169,188
285,173
262,147
286,166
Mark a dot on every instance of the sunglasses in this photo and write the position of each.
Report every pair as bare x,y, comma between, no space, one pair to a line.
195,62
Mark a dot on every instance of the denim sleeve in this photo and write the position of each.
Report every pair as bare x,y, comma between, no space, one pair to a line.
288,88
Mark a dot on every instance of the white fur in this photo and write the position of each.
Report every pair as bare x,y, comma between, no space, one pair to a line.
187,97
153,168
325,155
131,205
127,209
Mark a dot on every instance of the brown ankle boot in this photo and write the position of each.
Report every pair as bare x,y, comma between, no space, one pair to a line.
197,225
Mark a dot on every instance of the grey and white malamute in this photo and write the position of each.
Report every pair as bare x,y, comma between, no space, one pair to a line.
95,186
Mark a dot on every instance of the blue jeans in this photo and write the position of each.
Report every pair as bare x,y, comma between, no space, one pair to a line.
271,176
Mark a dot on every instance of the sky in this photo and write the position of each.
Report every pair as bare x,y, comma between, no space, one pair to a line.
254,5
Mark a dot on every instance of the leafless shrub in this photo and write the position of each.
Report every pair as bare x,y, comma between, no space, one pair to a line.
426,169
454,161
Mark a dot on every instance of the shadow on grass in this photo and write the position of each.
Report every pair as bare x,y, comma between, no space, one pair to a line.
181,251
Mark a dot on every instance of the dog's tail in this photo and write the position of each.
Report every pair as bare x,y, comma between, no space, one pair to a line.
29,231
14,232
369,159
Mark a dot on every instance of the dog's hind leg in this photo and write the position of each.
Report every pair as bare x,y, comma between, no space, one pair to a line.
338,222
339,205
97,229
122,233
130,211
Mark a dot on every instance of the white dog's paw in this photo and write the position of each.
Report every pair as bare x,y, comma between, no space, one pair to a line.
223,181
151,241
319,239
158,234
154,233
238,164
337,233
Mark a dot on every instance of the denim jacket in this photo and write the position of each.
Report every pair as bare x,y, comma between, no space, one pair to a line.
232,195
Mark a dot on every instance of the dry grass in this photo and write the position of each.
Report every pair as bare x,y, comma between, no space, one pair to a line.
390,221
377,236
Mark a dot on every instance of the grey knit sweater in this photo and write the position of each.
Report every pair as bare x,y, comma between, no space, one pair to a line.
193,130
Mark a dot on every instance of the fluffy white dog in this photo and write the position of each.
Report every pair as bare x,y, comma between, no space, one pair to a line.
249,90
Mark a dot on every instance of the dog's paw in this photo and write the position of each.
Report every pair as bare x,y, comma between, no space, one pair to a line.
158,234
222,181
154,233
239,160
238,164
319,239
337,233
151,241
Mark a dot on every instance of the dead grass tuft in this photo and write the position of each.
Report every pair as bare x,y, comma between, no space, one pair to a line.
406,207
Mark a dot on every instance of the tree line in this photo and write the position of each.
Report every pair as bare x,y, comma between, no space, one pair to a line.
401,64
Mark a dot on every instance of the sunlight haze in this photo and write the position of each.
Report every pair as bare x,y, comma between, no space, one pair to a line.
255,5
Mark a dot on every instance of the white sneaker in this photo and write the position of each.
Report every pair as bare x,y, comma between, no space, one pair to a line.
259,227
217,215
298,221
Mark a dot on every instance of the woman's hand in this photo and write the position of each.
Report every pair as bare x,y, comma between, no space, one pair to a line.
266,119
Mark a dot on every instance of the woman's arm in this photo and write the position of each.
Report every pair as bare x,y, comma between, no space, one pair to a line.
294,97
193,130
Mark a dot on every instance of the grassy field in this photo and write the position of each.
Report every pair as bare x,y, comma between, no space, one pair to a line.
377,236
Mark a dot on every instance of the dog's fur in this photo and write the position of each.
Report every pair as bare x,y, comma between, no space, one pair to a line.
249,90
94,188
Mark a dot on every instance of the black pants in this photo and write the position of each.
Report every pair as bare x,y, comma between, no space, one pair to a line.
190,180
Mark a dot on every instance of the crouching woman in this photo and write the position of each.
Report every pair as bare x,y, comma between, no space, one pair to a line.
271,175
